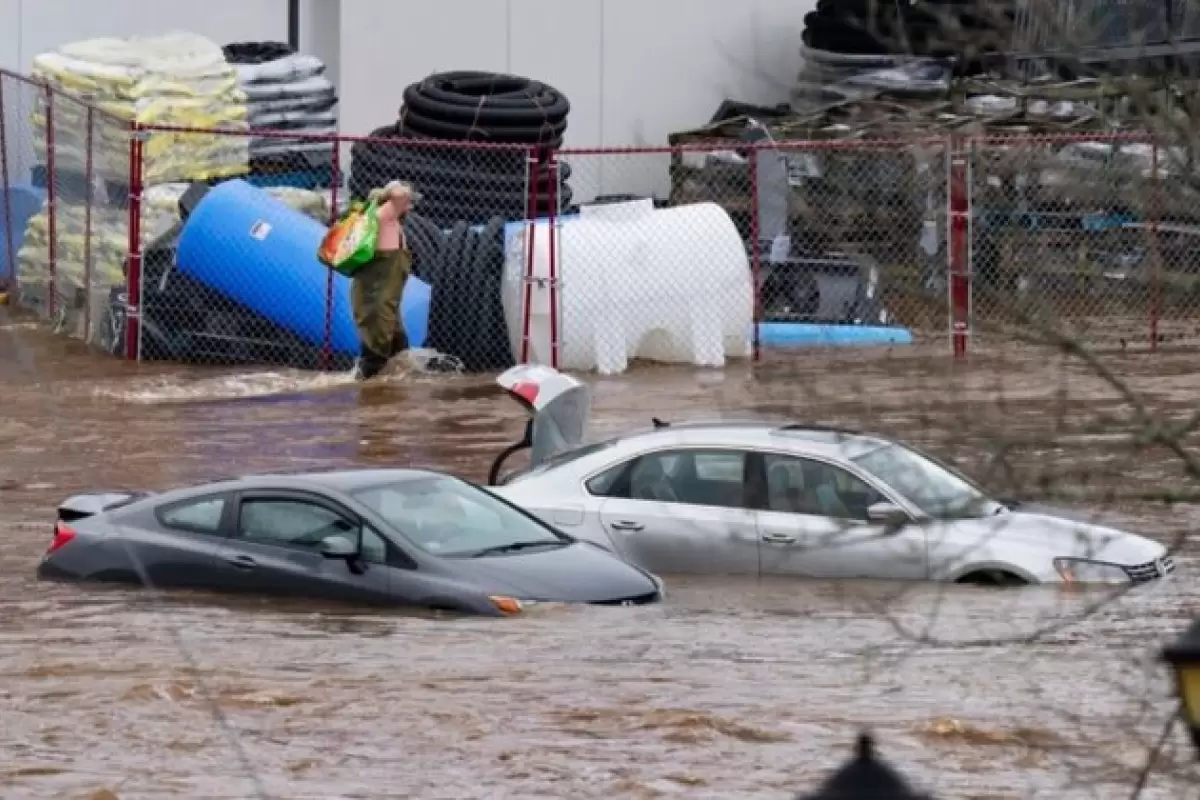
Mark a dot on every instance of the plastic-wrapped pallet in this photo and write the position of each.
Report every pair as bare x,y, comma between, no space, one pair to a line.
179,80
110,242
286,91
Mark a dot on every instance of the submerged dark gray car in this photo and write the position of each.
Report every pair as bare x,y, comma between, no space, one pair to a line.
382,537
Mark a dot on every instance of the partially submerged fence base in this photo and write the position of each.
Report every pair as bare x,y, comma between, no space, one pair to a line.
524,254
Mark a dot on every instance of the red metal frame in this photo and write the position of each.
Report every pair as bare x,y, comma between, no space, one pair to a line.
51,206
554,239
9,245
88,200
1156,261
133,275
958,266
755,257
532,163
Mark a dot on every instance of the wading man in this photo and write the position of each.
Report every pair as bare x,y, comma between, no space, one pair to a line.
377,286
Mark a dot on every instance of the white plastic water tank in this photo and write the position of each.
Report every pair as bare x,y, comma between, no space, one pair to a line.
670,285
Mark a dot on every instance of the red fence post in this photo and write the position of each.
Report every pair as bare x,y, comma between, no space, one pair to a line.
51,207
554,238
1156,260
959,212
327,341
88,199
755,256
133,272
9,245
532,162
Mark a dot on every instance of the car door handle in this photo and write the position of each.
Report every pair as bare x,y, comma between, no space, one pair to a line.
779,538
626,525
241,562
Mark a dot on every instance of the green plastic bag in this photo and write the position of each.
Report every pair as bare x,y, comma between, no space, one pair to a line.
351,241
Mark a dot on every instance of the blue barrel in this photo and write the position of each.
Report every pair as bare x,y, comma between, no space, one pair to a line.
260,252
807,334
17,205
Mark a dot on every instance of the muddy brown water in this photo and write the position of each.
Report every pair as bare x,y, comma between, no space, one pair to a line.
732,688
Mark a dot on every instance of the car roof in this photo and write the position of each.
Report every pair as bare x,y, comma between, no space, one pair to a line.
343,480
821,440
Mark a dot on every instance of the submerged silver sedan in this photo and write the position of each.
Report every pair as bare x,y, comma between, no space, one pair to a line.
784,499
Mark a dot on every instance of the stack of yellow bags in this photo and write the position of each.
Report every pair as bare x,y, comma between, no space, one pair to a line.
180,80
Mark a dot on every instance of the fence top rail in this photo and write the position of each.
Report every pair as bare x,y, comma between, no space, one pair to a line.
810,145
1131,137
690,147
709,145
300,136
60,93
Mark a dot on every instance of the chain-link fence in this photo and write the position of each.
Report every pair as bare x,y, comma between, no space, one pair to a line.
726,250
473,198
1088,236
24,193
65,223
879,209
206,293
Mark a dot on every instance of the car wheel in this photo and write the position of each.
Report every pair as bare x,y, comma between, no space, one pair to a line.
992,577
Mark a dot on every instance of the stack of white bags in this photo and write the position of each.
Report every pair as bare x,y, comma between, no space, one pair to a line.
178,80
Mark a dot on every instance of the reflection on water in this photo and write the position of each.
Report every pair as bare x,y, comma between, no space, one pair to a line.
733,688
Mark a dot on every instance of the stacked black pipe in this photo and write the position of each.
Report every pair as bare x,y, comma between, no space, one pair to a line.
471,184
961,29
464,267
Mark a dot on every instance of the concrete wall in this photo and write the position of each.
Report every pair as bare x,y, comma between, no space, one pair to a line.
634,70
29,27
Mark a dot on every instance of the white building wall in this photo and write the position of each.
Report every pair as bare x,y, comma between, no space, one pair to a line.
30,27
634,70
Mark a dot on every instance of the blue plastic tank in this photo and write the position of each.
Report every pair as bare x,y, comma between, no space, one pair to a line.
17,205
808,334
258,251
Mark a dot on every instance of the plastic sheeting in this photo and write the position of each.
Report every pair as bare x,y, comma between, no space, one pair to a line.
179,79
290,93
827,78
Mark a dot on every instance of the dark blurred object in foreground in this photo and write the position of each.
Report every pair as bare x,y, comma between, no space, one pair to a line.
865,778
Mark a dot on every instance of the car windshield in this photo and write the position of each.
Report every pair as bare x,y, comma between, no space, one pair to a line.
449,517
922,481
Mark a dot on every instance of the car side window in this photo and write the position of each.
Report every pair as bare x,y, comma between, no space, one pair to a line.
694,477
807,486
196,516
607,483
301,524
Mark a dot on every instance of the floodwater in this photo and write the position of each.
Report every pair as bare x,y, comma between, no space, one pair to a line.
732,688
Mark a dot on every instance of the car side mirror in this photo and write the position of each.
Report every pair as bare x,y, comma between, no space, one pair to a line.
890,515
338,547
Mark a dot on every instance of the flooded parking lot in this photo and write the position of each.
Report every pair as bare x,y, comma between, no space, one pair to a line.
732,688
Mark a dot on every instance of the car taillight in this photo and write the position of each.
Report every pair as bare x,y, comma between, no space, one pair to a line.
63,534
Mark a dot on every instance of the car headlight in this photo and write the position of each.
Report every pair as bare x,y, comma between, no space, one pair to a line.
1084,570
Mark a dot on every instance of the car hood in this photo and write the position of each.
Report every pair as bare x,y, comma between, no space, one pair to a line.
578,573
1064,533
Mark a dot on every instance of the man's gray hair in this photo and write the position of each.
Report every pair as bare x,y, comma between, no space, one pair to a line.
394,187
